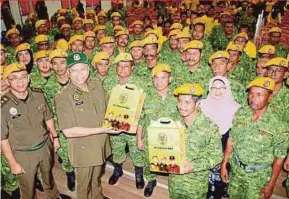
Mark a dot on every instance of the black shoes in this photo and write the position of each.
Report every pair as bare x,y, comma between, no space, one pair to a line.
150,188
139,181
117,173
70,180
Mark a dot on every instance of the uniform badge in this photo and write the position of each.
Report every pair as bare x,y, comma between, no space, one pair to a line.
76,57
282,63
79,103
13,111
266,84
76,97
192,89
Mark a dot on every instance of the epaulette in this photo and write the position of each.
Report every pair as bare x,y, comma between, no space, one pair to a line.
4,100
37,90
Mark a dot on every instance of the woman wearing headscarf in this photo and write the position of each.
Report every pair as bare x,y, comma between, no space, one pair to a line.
23,53
220,106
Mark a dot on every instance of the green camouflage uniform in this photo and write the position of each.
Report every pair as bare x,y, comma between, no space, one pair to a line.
281,51
280,104
142,71
119,142
36,80
10,50
51,88
244,72
155,108
203,151
218,39
255,144
238,91
9,182
207,49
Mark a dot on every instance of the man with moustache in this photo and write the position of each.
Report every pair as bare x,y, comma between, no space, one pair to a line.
89,45
26,145
121,41
257,145
14,38
107,44
80,108
76,44
55,83
275,34
151,50
137,28
201,144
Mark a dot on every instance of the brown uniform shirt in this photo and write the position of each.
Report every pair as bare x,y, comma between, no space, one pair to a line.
77,108
24,122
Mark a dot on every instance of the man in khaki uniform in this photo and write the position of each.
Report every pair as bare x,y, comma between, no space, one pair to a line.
27,130
80,108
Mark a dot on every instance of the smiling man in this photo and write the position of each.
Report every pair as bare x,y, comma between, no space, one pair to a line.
80,108
26,145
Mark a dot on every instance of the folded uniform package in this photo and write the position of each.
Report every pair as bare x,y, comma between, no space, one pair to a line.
124,108
166,143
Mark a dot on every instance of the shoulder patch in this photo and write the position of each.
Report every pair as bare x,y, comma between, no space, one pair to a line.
4,100
37,90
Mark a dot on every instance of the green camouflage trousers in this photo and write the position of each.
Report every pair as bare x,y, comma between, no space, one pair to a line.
189,186
247,185
118,145
9,182
150,176
62,152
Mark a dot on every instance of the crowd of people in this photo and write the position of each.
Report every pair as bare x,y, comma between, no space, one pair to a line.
198,63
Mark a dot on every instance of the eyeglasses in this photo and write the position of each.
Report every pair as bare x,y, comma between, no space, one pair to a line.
218,88
275,71
14,79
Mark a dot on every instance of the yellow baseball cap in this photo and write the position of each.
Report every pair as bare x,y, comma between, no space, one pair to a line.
88,34
106,40
75,38
41,38
77,19
101,14
11,68
62,11
62,44
277,61
65,26
39,23
161,68
242,35
176,26
122,32
2,47
21,47
136,43
174,32
118,28
90,11
12,31
263,82
137,22
99,27
100,56
123,57
234,47
275,29
149,40
87,21
195,44
183,34
219,54
267,49
154,32
31,15
225,13
115,14
60,18
58,52
189,89
199,20
41,54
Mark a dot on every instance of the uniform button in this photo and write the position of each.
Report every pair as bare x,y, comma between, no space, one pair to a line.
81,109
83,147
